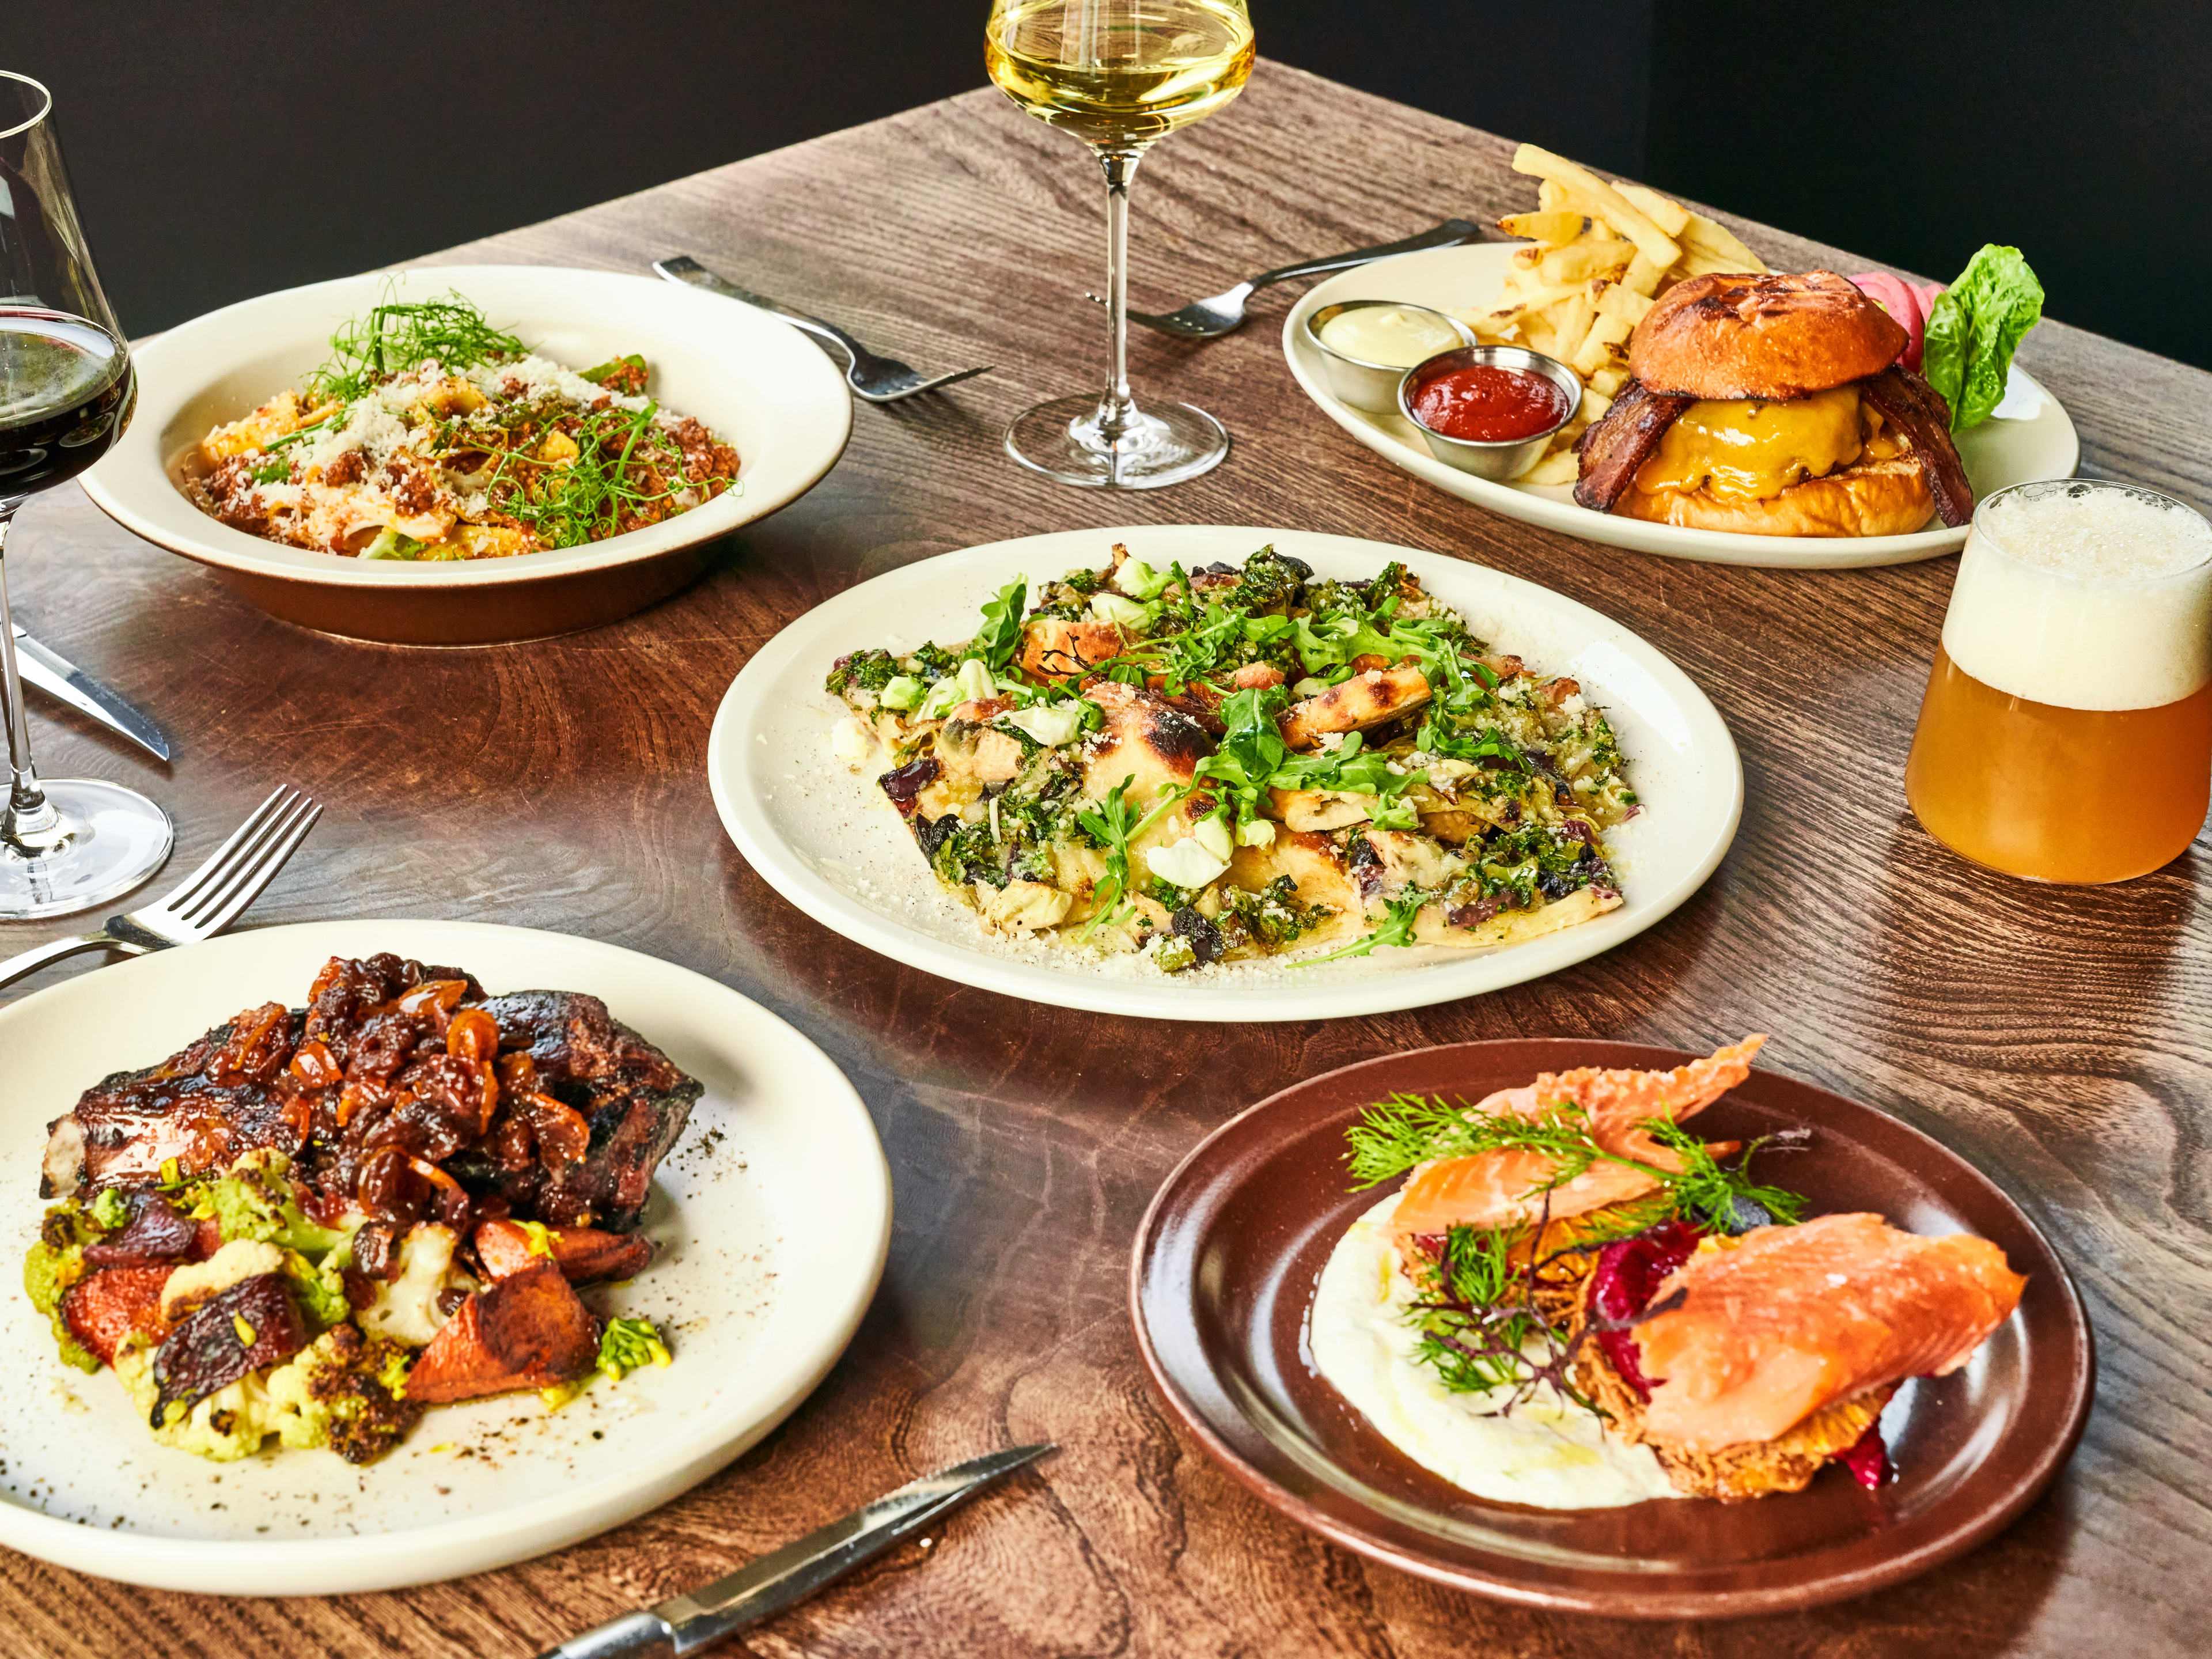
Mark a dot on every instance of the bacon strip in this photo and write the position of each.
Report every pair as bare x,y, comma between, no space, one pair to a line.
1917,410
1617,445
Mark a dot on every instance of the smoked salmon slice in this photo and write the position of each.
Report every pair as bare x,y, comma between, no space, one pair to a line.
1782,1320
1495,1189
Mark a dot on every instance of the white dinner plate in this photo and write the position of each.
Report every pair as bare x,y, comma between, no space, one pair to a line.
772,1216
825,837
2032,438
751,376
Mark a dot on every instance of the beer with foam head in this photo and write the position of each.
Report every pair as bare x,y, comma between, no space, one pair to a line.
2067,730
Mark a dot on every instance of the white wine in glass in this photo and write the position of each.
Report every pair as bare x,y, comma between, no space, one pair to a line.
1118,75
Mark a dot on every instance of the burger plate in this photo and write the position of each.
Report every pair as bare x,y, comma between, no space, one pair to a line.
2030,437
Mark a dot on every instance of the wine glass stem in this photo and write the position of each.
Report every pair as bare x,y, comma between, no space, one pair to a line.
1117,409
28,816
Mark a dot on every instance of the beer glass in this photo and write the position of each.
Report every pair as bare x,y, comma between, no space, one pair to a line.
2066,731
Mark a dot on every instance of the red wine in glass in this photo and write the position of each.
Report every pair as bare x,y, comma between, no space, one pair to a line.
66,393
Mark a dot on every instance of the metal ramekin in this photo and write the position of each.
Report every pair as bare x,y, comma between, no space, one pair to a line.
1371,386
1497,461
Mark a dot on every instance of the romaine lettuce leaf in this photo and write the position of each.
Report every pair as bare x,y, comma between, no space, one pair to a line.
1974,328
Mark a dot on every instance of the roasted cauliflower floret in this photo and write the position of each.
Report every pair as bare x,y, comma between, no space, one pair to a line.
345,1392
406,1308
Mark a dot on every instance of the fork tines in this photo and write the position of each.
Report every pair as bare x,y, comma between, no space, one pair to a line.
208,899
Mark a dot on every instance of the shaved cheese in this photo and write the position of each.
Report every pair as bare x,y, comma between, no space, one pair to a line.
1185,864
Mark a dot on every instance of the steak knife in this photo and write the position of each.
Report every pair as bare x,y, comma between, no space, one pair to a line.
783,1577
61,679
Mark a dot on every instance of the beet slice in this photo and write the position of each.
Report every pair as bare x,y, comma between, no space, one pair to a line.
252,1324
155,1232
1628,1273
1867,1458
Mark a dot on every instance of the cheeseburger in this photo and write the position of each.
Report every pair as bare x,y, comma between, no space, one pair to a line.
1774,405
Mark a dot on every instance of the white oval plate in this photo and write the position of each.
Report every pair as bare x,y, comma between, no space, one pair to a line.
773,1215
826,839
751,376
2033,438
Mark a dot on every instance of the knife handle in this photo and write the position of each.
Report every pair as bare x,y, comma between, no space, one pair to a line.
632,1636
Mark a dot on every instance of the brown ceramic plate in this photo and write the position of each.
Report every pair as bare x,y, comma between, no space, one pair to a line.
1224,1269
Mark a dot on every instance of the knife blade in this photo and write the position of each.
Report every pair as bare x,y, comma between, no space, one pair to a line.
762,1588
61,679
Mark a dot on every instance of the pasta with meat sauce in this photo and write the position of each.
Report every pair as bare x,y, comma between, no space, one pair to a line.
430,434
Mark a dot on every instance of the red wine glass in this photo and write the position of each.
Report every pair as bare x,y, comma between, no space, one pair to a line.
66,390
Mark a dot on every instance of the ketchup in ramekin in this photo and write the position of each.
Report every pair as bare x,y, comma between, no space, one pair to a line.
1484,404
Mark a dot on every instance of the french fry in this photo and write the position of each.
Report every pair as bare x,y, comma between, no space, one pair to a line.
1551,229
1606,334
1607,382
1550,198
1643,276
1698,262
1536,298
1595,402
1602,200
1671,217
1712,237
1625,303
1563,468
1571,324
1582,260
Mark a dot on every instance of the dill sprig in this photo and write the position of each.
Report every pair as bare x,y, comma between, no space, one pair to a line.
403,335
1480,1323
1477,1322
1393,1136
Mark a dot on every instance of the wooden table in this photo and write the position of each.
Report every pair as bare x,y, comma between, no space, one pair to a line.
2059,1038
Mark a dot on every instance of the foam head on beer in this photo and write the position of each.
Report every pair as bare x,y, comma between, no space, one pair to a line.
2085,596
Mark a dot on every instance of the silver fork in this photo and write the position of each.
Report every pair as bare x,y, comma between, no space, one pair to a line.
873,380
1209,319
205,903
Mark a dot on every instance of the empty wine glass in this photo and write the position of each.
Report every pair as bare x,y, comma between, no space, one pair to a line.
1119,75
66,393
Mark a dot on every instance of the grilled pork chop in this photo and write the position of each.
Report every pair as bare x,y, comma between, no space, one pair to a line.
404,1091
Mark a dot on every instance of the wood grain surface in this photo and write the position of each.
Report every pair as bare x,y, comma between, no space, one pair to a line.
2057,1037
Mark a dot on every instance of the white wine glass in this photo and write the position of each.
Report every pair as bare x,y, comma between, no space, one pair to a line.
1120,74
66,390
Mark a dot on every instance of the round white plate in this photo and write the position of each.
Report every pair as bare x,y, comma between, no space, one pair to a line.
772,1215
2032,438
826,839
751,376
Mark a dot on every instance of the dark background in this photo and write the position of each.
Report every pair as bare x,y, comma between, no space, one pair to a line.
225,147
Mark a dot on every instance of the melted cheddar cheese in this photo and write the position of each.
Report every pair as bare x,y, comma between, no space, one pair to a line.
1744,448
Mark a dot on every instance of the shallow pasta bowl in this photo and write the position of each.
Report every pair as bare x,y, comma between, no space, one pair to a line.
747,374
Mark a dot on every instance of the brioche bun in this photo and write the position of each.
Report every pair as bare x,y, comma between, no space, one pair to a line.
1770,337
1868,498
